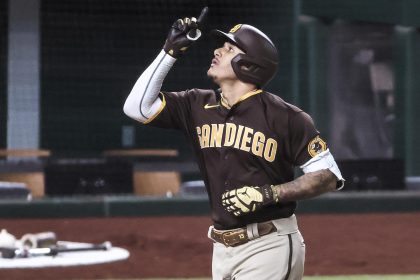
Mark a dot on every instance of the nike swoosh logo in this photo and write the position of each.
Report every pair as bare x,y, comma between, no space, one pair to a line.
207,106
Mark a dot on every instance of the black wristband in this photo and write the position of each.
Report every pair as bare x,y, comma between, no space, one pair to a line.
268,195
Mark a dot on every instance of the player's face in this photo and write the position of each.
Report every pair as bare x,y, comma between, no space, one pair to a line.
221,68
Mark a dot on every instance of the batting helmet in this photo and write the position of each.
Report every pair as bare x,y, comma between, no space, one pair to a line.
259,63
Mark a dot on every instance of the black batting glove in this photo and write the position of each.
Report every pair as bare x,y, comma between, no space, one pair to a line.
183,33
248,199
177,42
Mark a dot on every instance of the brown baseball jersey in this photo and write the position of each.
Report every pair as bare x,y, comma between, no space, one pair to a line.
257,141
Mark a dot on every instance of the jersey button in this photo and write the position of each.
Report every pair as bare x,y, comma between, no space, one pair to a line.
226,183
226,156
231,118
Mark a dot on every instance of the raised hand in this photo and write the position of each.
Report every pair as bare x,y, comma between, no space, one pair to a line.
183,33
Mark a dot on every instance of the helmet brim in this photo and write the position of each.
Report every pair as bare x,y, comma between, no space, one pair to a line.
221,37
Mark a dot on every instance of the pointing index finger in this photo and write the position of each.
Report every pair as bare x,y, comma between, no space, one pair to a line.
203,16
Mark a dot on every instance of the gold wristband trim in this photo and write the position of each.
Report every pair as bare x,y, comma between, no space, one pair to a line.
162,106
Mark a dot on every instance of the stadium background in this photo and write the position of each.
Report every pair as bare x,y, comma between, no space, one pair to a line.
68,65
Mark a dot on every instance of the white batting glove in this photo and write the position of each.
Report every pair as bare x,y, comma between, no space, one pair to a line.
248,199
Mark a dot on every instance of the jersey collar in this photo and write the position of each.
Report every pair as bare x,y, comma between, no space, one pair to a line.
225,103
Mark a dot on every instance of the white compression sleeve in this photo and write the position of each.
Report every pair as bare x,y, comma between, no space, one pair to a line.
143,102
321,161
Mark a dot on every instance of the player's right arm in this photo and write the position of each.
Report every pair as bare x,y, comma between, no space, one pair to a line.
143,102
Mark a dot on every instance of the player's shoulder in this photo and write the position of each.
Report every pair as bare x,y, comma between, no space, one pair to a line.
199,95
202,92
279,108
278,103
193,97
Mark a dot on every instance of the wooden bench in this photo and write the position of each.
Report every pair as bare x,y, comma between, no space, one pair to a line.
151,182
34,180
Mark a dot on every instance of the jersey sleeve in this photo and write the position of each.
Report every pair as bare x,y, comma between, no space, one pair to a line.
305,141
174,112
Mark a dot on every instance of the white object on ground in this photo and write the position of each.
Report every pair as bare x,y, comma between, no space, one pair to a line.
68,258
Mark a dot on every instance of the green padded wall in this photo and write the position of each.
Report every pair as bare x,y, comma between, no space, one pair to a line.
315,17
402,12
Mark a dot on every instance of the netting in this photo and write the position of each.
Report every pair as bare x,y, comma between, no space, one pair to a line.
93,51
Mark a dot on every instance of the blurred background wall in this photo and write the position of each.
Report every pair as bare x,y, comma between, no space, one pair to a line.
67,67
361,60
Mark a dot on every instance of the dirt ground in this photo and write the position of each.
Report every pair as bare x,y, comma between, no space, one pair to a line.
178,246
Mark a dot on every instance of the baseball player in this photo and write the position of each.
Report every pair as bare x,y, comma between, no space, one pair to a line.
247,142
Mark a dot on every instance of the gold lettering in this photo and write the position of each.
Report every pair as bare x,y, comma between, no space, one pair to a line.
216,135
199,136
230,134
258,144
246,139
238,136
270,149
205,136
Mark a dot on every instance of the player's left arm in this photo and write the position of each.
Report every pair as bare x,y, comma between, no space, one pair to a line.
321,174
306,186
251,198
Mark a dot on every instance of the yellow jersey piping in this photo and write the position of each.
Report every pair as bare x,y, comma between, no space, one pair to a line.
242,98
162,106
